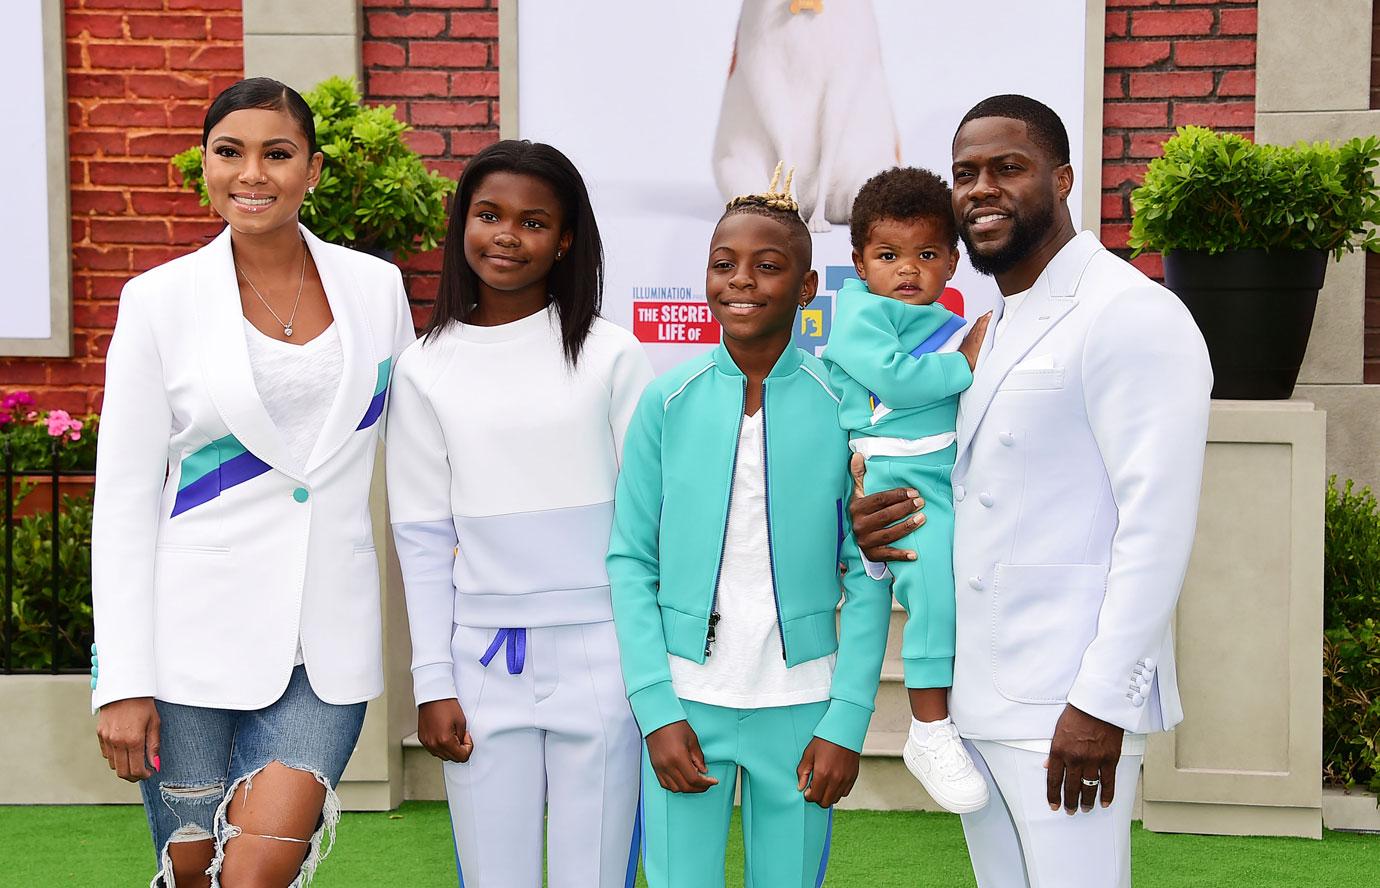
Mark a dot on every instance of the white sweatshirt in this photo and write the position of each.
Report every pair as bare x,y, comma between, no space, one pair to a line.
502,462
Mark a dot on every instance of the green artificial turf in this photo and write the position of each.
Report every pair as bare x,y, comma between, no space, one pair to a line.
107,846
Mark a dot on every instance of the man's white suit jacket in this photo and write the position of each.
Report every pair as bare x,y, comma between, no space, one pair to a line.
1080,456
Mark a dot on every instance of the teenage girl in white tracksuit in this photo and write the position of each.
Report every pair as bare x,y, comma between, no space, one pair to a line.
505,435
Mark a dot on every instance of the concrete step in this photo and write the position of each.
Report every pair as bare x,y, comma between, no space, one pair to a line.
892,706
884,784
422,778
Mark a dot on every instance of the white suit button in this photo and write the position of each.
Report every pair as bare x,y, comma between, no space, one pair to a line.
1007,439
1138,700
986,499
975,583
959,493
1149,664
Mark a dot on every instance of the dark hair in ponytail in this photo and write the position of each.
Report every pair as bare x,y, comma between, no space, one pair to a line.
576,283
265,93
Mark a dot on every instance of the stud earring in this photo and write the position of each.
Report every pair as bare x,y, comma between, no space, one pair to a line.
559,254
311,189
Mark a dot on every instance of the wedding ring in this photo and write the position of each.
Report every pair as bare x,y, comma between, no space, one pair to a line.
1087,782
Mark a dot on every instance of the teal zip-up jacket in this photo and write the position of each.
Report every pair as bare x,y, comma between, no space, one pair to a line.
671,514
870,353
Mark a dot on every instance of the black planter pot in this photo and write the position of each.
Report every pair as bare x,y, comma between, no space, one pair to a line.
1255,308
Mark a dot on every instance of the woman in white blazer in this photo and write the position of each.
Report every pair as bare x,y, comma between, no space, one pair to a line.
234,575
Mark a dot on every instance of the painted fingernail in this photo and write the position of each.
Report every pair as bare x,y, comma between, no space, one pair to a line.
918,503
911,556
912,493
157,766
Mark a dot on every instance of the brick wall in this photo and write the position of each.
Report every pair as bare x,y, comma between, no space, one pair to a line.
437,61
140,74
1168,65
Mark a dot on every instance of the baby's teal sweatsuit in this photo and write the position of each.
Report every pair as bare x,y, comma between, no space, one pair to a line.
891,400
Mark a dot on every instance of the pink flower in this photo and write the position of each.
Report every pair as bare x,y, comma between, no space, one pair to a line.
75,436
59,421
5,418
17,399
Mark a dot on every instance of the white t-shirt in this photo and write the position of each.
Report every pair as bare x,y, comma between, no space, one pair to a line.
1010,306
746,668
298,385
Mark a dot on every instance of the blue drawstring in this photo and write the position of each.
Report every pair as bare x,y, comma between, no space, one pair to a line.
516,641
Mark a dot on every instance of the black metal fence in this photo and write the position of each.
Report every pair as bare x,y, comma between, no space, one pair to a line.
46,614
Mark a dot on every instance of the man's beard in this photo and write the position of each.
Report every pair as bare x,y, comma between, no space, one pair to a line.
1026,233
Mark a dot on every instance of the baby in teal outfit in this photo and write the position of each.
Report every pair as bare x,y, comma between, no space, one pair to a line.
887,357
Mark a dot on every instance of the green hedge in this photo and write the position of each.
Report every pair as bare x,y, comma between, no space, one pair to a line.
32,608
1351,638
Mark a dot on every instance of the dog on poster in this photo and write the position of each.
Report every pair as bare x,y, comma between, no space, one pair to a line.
806,84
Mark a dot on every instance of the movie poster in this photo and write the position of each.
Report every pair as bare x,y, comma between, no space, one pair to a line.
24,218
669,109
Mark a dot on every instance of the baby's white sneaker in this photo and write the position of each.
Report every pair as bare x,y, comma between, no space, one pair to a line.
934,753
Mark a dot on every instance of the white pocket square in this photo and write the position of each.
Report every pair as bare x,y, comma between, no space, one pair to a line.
1038,362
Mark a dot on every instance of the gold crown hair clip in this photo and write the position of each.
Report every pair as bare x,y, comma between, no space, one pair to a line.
772,199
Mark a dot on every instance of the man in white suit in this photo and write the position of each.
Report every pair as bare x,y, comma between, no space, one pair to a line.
1080,453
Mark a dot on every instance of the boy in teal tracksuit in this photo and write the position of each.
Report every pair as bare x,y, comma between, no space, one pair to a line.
729,531
891,358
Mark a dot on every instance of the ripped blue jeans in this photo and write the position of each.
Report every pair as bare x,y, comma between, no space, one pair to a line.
207,753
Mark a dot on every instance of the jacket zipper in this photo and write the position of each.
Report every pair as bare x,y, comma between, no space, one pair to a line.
766,503
723,542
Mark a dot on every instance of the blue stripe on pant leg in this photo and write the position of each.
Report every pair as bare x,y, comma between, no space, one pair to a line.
636,844
455,843
824,858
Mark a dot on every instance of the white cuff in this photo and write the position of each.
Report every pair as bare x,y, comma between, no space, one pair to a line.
434,681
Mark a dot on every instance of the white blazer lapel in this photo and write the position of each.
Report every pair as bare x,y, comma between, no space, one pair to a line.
1051,298
360,371
225,356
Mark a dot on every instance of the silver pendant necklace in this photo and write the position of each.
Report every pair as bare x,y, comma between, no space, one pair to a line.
286,325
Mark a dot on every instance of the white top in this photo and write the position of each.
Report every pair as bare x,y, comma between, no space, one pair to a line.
297,384
1012,304
746,668
502,465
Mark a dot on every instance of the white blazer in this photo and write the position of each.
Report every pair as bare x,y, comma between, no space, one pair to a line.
210,552
1080,456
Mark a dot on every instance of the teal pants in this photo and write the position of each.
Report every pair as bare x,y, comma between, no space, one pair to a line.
786,839
924,587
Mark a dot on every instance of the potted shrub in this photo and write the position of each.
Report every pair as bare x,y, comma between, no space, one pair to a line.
1246,231
375,194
